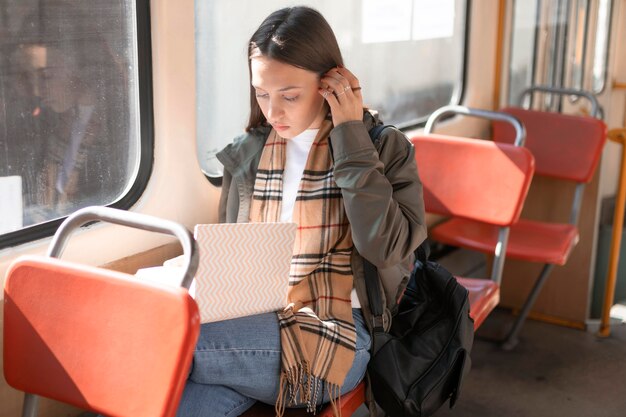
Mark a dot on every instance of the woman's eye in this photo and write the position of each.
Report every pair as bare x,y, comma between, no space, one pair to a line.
262,95
291,98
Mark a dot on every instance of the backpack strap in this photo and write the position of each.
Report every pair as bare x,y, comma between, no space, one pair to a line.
376,131
422,252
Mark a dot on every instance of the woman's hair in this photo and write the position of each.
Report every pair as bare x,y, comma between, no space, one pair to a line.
298,36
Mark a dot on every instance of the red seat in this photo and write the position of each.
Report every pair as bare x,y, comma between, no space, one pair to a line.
484,296
490,186
565,147
529,240
482,185
96,339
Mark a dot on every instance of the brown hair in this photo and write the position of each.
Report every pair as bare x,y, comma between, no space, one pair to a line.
298,36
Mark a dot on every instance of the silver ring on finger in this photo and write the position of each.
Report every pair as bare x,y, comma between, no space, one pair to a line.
347,88
340,93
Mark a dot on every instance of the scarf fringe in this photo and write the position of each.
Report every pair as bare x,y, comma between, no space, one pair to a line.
299,384
334,392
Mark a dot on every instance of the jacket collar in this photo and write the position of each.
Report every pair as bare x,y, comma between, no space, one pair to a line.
237,155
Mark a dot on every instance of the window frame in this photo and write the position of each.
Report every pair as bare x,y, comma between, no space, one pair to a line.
146,137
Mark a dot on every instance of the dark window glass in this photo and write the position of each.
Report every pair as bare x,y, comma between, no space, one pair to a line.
69,112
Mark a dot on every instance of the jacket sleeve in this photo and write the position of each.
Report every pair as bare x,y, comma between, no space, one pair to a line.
222,208
382,192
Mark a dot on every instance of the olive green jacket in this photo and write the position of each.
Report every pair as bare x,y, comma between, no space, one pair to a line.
381,190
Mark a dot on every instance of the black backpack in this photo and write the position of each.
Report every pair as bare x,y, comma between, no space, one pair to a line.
420,363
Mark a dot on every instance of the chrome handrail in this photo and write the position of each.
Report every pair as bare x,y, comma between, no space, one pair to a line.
520,130
595,105
134,220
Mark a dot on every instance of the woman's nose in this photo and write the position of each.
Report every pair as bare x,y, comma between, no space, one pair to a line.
274,110
36,85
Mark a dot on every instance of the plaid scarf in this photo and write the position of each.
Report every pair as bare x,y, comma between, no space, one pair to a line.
318,336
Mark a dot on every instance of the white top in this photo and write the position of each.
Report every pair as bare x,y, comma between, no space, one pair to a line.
298,149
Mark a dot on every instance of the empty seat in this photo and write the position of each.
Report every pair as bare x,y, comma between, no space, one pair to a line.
97,339
565,147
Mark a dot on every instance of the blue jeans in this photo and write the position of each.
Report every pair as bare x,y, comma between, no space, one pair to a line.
237,362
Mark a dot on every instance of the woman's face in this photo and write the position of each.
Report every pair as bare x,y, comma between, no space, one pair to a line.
288,96
51,76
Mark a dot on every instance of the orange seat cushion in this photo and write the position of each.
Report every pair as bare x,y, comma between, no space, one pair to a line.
484,296
529,240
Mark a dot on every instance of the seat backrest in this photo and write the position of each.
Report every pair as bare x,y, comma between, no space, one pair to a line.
97,339
565,146
475,179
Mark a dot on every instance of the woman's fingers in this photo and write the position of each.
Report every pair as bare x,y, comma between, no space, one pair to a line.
336,75
352,80
333,83
337,87
330,98
341,90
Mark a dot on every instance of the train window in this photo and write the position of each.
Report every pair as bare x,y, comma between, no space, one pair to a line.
548,46
550,68
601,48
69,108
408,55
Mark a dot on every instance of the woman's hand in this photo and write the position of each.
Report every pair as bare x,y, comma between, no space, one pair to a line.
342,91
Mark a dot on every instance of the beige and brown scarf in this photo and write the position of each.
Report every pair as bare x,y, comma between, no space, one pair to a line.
318,336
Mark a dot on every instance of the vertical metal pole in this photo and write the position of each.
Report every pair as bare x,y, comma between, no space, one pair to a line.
616,240
500,253
511,340
578,202
31,405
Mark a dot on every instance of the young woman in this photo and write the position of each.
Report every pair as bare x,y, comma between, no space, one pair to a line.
307,157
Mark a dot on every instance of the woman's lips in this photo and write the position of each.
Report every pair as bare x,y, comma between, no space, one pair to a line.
280,127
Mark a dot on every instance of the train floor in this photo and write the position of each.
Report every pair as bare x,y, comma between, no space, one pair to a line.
553,372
